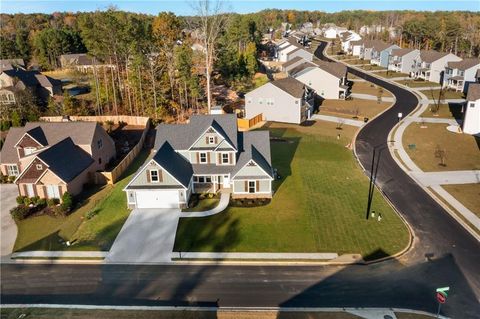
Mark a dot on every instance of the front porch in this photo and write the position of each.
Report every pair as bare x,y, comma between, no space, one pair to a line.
210,183
455,83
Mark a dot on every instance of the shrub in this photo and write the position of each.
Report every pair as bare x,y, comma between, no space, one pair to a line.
5,125
57,211
20,199
11,179
34,200
52,202
92,214
27,201
21,212
42,202
67,201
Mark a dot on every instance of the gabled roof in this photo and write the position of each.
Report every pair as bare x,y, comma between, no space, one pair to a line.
8,64
32,78
182,137
47,133
373,43
175,164
473,92
345,35
301,67
292,61
256,147
65,159
291,86
464,64
380,46
357,42
401,52
430,56
335,68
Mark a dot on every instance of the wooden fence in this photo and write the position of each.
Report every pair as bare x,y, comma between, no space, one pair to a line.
248,123
130,120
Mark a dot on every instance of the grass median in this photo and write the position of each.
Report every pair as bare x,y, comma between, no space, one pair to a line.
318,206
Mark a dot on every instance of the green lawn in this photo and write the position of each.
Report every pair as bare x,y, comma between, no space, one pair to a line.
198,204
461,150
319,204
417,83
390,74
372,67
98,233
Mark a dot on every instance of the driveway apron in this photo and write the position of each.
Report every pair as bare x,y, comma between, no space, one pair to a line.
8,194
147,236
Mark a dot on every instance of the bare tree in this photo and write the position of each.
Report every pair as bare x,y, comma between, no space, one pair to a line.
441,154
212,21
340,123
436,102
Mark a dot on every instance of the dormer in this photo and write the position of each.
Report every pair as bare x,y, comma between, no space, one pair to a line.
31,142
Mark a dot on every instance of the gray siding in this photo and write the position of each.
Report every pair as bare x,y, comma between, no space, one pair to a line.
285,108
264,186
142,180
202,141
250,171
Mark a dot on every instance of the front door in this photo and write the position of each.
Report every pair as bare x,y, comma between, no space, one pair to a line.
226,181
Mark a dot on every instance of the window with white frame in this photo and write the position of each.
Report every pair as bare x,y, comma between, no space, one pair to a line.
252,186
154,176
472,104
225,158
211,140
269,101
131,197
39,167
29,150
203,157
12,170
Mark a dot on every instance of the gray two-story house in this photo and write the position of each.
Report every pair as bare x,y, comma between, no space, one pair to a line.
206,155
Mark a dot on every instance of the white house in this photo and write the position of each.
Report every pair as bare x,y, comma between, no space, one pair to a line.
458,75
330,33
348,37
286,100
327,79
471,120
355,47
430,65
289,49
401,60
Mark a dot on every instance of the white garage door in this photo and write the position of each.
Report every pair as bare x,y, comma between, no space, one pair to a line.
157,199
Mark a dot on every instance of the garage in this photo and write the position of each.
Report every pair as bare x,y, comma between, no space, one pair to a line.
157,199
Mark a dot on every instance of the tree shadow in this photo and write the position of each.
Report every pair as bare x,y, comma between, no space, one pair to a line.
392,285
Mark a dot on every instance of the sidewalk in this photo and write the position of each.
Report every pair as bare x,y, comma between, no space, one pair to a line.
222,205
444,101
255,256
337,119
450,177
60,254
427,88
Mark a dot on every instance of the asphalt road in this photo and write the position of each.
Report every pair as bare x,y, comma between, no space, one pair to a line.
408,282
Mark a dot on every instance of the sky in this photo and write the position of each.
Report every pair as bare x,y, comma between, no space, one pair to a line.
240,6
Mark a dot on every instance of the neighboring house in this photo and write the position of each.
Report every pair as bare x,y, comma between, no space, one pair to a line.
81,62
369,46
16,80
327,79
204,156
458,75
287,66
59,155
355,47
330,32
402,60
471,120
346,38
9,64
287,100
289,49
430,65
381,53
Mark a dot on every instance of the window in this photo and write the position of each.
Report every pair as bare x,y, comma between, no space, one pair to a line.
39,167
131,198
203,157
154,176
208,179
211,140
99,144
472,104
225,158
251,186
201,179
53,191
99,160
29,150
12,170
269,101
461,73
260,101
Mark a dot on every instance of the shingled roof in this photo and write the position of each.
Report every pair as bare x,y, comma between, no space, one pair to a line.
175,164
301,67
290,85
401,52
464,64
473,92
292,61
256,146
65,159
335,68
430,56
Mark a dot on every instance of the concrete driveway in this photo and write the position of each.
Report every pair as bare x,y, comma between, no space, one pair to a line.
8,194
148,236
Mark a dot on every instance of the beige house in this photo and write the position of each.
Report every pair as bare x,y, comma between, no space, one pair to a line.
51,158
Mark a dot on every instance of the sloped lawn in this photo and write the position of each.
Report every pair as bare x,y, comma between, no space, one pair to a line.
107,207
319,204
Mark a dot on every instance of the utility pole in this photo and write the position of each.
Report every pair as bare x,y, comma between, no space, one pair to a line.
371,186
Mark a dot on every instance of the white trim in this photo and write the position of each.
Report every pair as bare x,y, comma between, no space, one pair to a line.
251,160
26,133
200,158
201,135
145,167
158,176
134,193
